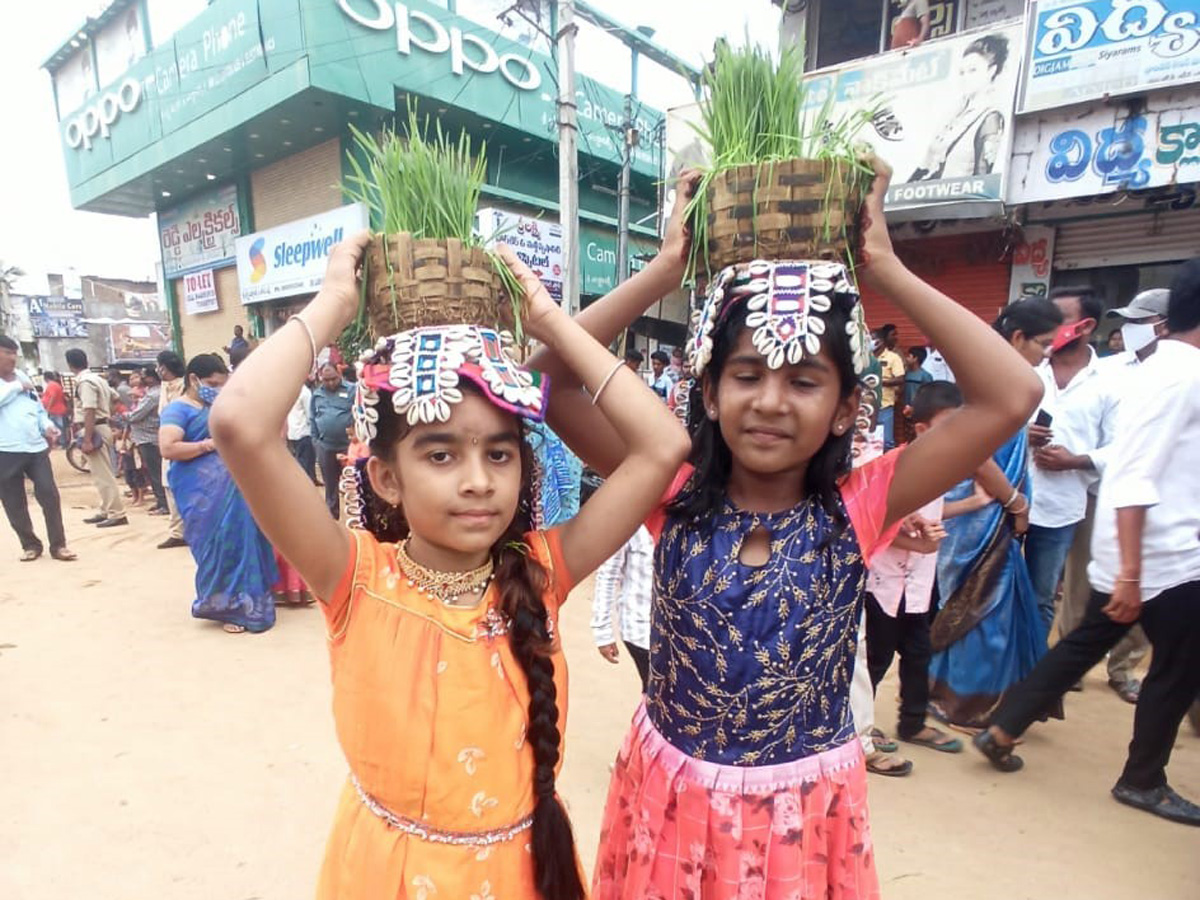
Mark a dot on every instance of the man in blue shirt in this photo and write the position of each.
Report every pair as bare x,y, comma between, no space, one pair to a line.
331,418
24,453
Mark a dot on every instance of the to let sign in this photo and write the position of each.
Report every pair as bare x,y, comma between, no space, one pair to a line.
199,292
200,233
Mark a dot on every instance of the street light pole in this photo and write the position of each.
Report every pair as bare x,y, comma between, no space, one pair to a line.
568,154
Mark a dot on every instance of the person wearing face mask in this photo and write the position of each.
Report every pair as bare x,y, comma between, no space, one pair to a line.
1143,322
1145,567
235,565
1080,407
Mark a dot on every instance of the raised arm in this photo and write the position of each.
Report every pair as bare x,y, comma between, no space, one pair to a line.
247,417
573,418
1000,389
655,443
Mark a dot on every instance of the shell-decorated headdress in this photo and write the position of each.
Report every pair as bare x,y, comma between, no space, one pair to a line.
787,302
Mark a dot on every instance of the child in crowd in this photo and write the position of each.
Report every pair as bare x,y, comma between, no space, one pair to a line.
914,375
449,683
899,589
741,774
624,582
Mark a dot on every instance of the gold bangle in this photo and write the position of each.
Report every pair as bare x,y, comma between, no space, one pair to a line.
312,342
607,379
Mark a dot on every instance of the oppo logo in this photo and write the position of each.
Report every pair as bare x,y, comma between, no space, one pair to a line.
96,120
467,51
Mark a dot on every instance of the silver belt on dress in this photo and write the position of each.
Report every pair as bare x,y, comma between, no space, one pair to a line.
440,835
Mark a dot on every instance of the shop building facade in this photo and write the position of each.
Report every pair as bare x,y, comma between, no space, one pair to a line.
1054,143
235,132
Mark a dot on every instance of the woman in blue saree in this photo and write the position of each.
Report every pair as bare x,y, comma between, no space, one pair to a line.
235,565
987,634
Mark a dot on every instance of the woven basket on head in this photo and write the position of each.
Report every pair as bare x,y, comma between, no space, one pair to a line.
415,283
793,209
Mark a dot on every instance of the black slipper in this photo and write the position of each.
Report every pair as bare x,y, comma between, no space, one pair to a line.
1002,758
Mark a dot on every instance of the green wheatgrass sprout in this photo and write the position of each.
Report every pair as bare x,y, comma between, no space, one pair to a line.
753,112
427,185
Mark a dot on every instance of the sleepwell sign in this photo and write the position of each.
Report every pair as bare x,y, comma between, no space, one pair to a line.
290,259
1081,51
422,47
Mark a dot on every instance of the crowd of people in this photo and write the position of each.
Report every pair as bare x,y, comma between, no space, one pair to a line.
789,504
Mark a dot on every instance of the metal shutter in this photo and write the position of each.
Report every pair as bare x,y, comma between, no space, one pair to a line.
302,185
973,269
1151,237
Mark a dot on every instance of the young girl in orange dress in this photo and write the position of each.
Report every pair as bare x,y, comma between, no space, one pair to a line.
449,682
741,776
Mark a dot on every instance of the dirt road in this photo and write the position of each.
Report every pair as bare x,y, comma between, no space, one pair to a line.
148,755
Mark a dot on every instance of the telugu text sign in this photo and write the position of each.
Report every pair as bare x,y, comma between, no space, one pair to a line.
537,242
1099,149
941,115
1079,51
201,232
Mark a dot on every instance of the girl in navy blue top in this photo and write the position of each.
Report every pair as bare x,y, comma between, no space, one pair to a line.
742,776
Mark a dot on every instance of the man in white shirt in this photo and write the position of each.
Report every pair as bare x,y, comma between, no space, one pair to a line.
1144,322
626,581
299,433
1082,413
1145,567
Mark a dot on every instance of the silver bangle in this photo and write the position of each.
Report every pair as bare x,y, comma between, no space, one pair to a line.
604,383
312,341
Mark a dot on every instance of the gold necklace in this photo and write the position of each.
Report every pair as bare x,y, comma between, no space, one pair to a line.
445,586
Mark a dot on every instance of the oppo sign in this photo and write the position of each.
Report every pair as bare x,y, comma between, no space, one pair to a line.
96,119
466,50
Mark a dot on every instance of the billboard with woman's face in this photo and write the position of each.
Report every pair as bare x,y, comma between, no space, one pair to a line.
940,113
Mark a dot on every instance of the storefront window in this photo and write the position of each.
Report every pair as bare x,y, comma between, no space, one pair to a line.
848,30
859,28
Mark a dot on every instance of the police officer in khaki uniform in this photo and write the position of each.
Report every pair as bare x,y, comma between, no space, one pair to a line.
93,405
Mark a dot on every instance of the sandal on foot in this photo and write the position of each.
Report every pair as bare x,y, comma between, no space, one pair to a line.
62,554
1161,801
1128,690
886,764
230,628
939,741
882,742
30,555
1001,757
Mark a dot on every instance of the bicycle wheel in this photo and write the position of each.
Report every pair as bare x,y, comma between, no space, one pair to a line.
78,459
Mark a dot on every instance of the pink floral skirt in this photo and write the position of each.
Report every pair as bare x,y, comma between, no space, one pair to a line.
678,828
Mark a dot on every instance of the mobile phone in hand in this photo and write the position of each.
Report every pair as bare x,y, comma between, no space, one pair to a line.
1043,419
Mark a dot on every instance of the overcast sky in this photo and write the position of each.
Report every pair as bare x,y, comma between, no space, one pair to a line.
39,231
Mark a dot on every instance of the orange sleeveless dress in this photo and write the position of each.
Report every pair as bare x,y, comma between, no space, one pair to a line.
431,709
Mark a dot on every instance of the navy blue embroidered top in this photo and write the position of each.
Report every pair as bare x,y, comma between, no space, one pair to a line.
752,665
